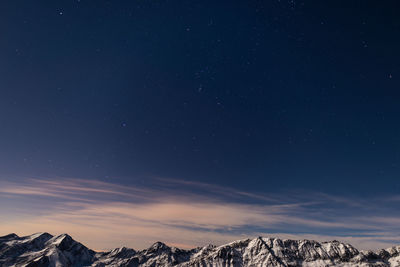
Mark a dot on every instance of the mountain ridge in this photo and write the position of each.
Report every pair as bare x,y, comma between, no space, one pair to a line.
46,250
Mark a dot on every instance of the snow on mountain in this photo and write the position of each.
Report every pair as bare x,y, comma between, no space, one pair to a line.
45,250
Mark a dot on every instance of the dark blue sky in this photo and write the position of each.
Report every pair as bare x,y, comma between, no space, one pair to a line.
266,96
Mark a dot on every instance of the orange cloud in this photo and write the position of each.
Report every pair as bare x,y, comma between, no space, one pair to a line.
105,215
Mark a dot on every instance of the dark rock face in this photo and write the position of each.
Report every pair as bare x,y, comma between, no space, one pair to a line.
44,250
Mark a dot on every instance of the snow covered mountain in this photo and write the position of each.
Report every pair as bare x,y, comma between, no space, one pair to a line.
43,249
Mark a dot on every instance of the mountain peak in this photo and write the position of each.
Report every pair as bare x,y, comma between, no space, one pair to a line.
38,235
122,252
63,238
9,236
159,246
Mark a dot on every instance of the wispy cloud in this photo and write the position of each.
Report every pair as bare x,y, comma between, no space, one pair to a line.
105,215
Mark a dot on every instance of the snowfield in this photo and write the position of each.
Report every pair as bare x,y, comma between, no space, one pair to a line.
43,249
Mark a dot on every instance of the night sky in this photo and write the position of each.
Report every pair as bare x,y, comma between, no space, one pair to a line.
263,97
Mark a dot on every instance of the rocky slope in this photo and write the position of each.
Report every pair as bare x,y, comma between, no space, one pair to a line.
43,249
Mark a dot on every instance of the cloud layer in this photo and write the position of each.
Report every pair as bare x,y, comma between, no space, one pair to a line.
105,215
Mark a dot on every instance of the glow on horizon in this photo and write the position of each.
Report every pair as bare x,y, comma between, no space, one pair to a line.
106,215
